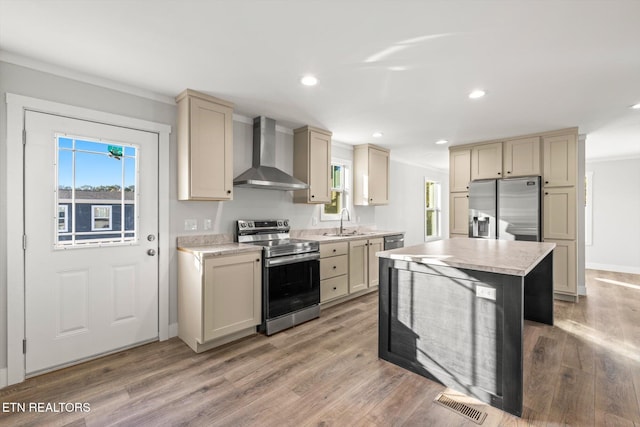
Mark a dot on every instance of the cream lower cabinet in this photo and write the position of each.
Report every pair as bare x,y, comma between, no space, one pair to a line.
459,213
363,264
334,269
219,298
564,267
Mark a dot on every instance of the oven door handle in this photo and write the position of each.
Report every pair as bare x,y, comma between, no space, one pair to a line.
291,259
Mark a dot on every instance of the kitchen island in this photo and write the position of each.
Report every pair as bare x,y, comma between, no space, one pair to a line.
453,311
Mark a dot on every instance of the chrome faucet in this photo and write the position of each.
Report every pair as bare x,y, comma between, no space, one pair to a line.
341,216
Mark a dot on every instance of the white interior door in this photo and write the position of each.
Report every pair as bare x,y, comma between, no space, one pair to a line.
91,224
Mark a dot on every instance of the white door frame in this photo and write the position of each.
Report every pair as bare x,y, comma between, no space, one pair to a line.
16,106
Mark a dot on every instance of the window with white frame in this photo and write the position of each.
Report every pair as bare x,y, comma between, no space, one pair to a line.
432,212
63,224
100,217
588,209
340,191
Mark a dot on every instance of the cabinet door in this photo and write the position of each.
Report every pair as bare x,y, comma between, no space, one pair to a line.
375,245
319,167
459,213
459,170
559,221
486,161
564,267
232,295
559,164
358,270
522,157
210,151
378,177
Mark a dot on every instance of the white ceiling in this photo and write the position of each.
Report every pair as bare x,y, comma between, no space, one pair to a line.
545,64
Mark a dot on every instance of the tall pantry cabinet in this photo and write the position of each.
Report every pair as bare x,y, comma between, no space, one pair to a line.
553,155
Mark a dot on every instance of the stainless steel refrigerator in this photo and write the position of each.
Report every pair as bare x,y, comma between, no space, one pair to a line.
508,209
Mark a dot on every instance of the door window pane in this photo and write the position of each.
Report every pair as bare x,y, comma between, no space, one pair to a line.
97,183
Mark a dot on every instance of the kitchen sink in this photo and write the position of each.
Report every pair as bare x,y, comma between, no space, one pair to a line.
349,234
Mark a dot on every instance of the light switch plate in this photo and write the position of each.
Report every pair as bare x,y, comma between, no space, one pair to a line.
487,293
190,224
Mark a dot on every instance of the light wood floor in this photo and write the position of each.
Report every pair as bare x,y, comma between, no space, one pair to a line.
584,371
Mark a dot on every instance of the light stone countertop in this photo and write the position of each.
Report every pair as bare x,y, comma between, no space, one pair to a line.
510,257
228,248
372,234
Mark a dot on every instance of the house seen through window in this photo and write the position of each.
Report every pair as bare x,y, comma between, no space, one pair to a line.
96,192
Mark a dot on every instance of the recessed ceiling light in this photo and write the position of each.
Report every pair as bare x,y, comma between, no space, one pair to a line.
309,81
478,93
397,68
377,134
636,107
441,141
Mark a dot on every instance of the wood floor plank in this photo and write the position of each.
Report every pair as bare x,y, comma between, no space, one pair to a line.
583,371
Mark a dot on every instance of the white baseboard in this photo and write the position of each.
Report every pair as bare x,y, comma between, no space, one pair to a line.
613,267
173,330
3,377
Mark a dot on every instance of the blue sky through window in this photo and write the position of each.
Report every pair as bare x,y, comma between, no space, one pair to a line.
94,166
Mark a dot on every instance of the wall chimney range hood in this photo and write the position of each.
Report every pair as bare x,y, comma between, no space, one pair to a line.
263,173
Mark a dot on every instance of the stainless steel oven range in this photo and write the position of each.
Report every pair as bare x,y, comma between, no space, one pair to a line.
290,273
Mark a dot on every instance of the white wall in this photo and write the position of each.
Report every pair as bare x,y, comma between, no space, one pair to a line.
405,211
616,215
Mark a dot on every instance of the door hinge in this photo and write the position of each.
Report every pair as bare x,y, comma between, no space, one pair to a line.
24,346
24,242
24,137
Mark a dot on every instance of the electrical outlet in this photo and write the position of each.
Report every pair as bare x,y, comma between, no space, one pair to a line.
207,224
486,293
190,224
314,220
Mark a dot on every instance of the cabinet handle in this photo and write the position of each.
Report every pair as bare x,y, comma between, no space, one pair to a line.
546,182
312,196
508,171
228,191
334,251
335,288
467,187
258,260
334,267
467,196
371,200
546,194
499,173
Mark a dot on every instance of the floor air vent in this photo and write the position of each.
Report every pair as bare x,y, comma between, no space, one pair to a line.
463,409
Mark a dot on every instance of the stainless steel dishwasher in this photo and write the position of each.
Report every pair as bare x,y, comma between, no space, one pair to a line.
393,241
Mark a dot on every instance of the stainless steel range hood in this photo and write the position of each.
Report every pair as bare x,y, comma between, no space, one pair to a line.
264,174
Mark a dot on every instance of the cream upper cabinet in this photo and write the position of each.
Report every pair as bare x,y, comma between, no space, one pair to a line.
375,245
459,213
459,170
370,175
486,161
560,160
521,157
312,164
205,147
559,221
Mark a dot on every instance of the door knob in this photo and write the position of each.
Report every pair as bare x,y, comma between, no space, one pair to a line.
151,252
151,237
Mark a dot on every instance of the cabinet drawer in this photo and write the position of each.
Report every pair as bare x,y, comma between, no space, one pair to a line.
333,249
333,288
333,266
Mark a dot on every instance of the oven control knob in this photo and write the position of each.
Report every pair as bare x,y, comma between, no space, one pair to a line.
243,225
279,223
286,223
